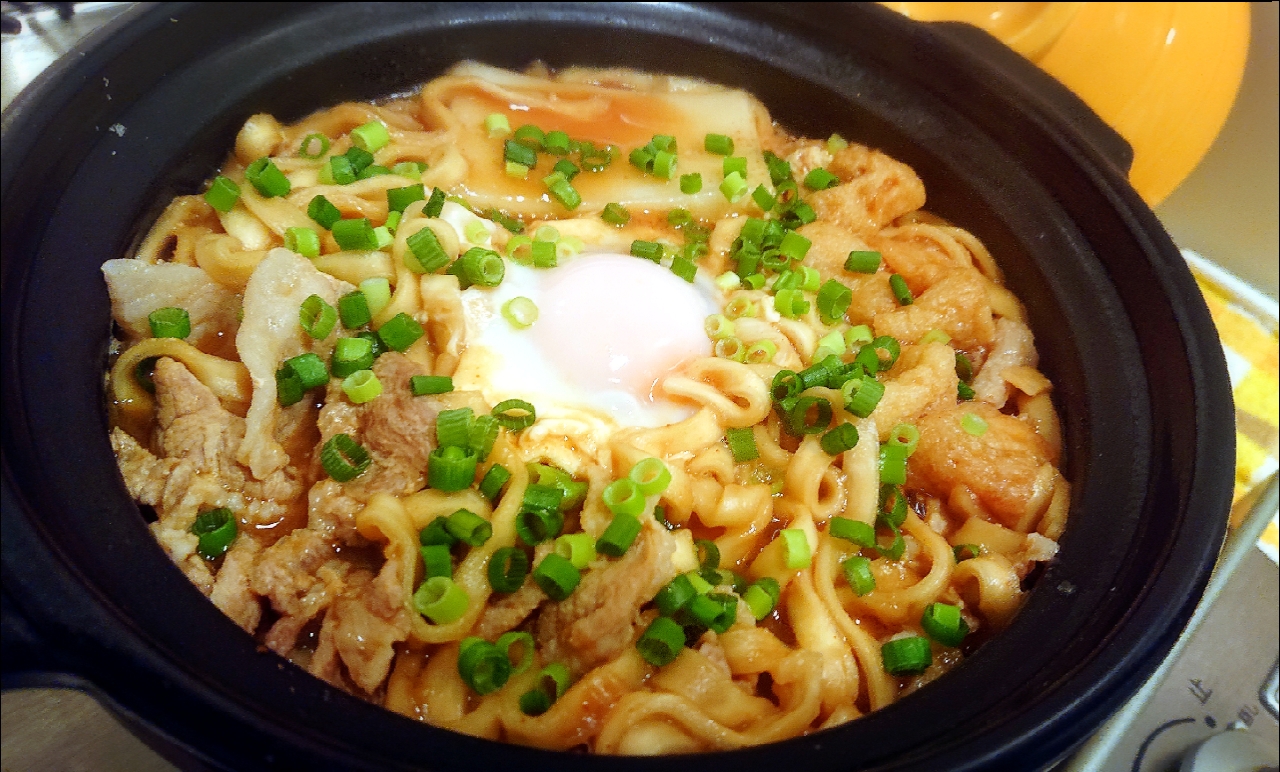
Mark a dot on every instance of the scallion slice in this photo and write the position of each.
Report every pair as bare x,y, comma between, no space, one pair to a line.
216,530
355,234
742,443
838,440
661,642
436,560
343,458
893,464
796,548
906,435
862,395
483,666
453,427
451,468
579,548
619,535
353,310
762,597
862,261
833,300
435,533
734,187
468,527
313,146
323,212
222,194
853,531
507,569
716,611
520,312
690,183
400,332
718,144
820,179
684,268
809,415
623,497
515,414
943,623
351,355
675,595
267,178
493,480
562,190
317,317
973,424
761,352
309,369
898,286
649,250
497,125
557,577
361,386
170,322
422,385
615,214
906,656
857,572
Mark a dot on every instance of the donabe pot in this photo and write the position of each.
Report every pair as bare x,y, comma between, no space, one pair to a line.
146,111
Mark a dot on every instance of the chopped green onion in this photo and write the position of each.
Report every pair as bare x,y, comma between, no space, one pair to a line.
619,535
530,135
323,212
507,569
361,386
304,241
649,250
351,355
730,348
479,266
943,623
906,656
854,531
796,548
761,352
520,312
786,386
536,524
896,548
400,198
557,577
742,443
337,171
800,423
484,432
425,254
762,597
216,530
343,458
475,232
862,261
836,143
543,254
684,268
355,234
566,167
858,335
820,179
311,151
838,440
353,310
893,464
898,286
810,279
664,164
857,572
795,246
309,369
522,642
289,389
222,194
964,391
170,322
556,143
728,281
790,303
410,169
267,178
579,548
400,332
675,595
650,475
690,183
615,214
893,506
700,584
973,424
623,497
833,300
753,281
735,165
453,427
734,187
515,414
719,144
521,155
451,468
779,170
370,137
966,551
717,610
377,293
494,479
562,190
317,317
862,396
468,527
934,336
435,204
708,554
436,560
422,385
718,326
552,682
483,666
906,435
964,367
372,170
661,642
763,198
497,125
436,533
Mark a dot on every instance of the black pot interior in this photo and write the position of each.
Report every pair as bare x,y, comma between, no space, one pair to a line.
1121,330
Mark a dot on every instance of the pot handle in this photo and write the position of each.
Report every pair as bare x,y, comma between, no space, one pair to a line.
1039,86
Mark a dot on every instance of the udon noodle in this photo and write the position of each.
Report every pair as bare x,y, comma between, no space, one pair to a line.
326,388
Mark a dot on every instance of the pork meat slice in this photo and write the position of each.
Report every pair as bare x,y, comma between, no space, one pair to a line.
598,620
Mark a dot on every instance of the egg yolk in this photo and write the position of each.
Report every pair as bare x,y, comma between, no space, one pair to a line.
611,322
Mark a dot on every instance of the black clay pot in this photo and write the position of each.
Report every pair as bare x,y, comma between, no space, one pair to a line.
146,110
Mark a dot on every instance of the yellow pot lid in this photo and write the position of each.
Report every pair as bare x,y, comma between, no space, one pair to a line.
1164,75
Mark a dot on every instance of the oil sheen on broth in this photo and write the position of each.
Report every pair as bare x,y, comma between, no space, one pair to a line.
586,409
